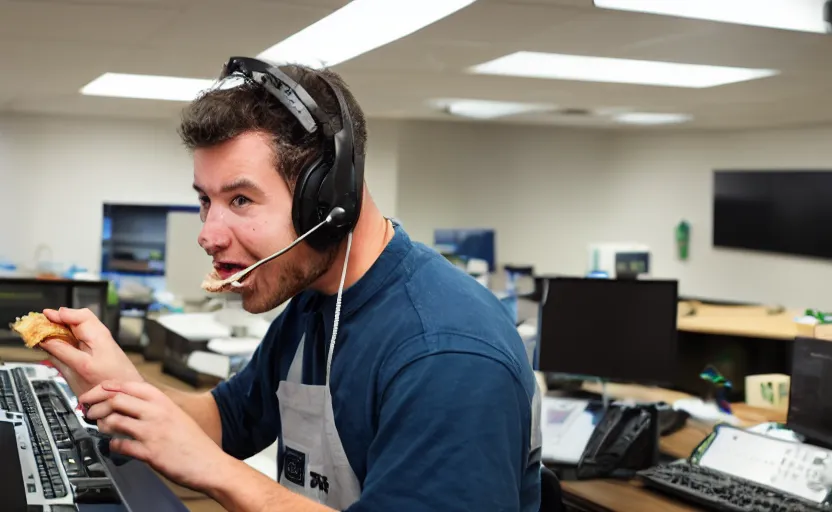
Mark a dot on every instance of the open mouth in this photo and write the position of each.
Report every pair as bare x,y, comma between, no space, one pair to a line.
226,270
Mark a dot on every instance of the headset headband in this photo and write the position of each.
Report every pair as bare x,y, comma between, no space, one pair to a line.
347,168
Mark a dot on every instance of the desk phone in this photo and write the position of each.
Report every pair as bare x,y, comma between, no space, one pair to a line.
625,441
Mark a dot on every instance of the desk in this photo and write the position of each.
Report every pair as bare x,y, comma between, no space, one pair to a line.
738,340
625,496
745,321
780,326
616,495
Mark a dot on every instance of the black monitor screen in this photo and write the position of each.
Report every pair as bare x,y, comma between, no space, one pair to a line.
773,211
810,396
618,330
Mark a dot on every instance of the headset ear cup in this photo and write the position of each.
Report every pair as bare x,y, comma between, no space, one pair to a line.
307,209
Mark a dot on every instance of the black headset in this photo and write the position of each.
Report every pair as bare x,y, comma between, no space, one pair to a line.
333,184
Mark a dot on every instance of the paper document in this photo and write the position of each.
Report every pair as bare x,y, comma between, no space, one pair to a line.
195,326
234,346
566,426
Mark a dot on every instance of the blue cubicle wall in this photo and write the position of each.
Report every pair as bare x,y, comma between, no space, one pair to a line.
466,244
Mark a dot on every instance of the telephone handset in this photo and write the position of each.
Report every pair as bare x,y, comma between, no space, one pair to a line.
626,440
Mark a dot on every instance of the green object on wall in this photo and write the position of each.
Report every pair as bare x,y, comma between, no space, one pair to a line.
112,294
683,239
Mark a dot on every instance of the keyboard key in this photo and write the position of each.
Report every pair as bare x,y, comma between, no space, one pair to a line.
720,491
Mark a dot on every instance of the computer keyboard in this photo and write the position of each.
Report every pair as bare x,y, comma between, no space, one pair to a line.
7,400
47,467
61,451
720,491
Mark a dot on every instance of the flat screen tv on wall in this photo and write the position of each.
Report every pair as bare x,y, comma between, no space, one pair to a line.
786,212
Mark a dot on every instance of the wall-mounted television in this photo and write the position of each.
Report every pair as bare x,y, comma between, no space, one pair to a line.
786,212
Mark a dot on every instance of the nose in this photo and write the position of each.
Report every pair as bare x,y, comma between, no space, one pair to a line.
215,236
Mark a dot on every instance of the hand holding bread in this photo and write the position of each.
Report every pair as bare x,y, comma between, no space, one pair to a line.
80,346
35,328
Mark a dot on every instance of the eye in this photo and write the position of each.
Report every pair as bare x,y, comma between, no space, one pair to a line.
204,204
240,201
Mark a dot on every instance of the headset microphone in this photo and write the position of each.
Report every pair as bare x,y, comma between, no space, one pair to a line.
336,214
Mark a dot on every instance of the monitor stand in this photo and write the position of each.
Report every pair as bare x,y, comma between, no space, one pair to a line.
575,391
605,397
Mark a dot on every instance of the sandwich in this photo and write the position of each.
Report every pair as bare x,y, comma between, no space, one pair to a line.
35,328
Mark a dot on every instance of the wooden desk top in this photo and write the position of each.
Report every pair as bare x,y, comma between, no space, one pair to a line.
749,321
617,495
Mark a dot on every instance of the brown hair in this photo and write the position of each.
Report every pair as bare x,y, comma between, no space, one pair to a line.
222,114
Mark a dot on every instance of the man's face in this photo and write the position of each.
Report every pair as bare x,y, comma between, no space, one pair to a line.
246,208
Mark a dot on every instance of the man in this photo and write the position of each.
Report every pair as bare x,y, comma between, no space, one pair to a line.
426,402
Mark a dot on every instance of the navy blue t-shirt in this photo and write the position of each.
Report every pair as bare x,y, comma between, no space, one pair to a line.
431,386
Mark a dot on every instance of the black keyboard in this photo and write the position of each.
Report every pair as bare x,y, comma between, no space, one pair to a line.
50,475
719,491
7,400
79,458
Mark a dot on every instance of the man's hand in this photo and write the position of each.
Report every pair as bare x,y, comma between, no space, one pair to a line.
98,357
161,433
164,436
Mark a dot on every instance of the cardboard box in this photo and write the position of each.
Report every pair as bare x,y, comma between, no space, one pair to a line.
768,391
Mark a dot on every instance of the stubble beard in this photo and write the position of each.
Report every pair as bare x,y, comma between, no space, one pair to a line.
289,279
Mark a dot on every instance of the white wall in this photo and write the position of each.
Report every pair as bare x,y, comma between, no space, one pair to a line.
537,187
551,192
381,166
66,168
56,172
662,179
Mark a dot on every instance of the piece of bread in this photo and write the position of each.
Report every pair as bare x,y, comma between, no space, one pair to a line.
34,328
213,283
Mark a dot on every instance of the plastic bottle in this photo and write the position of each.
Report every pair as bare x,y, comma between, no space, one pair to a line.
7,268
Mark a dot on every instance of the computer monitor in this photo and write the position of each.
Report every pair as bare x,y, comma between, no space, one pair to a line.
810,394
465,244
615,330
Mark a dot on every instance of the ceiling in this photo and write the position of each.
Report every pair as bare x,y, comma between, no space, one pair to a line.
49,49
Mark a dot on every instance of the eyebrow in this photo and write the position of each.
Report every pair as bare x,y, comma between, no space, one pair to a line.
232,186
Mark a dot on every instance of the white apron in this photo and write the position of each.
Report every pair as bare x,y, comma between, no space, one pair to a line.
314,462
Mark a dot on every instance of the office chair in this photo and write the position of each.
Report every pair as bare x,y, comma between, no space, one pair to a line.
551,496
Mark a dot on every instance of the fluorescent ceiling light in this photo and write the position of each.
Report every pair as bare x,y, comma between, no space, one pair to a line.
602,69
799,15
358,27
647,118
147,87
488,109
